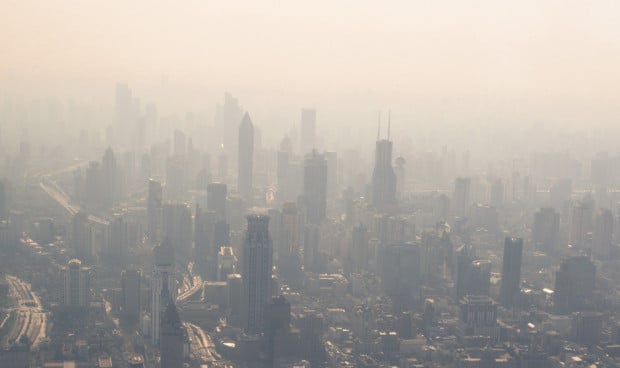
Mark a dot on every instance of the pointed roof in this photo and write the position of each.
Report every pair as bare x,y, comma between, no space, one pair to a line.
246,121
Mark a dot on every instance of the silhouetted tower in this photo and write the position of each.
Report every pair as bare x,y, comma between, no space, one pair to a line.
172,338
246,159
546,229
216,199
602,237
154,208
574,284
383,175
256,272
4,206
163,285
315,187
308,131
462,199
511,271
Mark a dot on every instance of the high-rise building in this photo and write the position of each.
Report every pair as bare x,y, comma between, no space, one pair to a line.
511,271
497,193
177,227
154,211
131,285
117,240
400,273
109,172
216,199
383,176
4,206
256,272
581,223
478,315
315,187
82,237
308,131
77,285
473,276
312,239
574,284
332,174
289,233
246,159
461,199
163,285
172,338
546,229
359,248
602,236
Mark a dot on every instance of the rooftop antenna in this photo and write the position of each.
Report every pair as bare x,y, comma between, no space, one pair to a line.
389,123
379,126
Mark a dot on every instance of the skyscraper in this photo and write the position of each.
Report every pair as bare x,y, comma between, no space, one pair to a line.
461,199
511,271
546,229
581,223
216,199
383,176
574,284
4,207
246,159
256,272
77,284
82,237
109,172
163,285
131,291
154,208
177,227
308,131
172,338
315,187
602,236
359,244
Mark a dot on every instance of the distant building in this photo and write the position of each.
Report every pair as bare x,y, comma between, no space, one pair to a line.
511,271
472,275
478,314
581,224
131,284
172,338
256,272
383,176
82,237
462,197
216,199
177,227
246,159
574,284
154,211
4,205
315,187
546,229
77,284
602,237
400,273
163,285
308,131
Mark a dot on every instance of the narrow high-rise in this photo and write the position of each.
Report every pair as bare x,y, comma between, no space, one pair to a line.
77,285
154,206
163,285
172,338
256,272
546,230
246,159
216,199
602,237
461,199
307,141
131,291
383,176
315,187
511,271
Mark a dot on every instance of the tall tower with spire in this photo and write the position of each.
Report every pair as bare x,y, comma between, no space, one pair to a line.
246,159
383,176
163,284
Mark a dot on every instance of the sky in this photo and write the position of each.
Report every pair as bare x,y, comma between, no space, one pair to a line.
472,63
